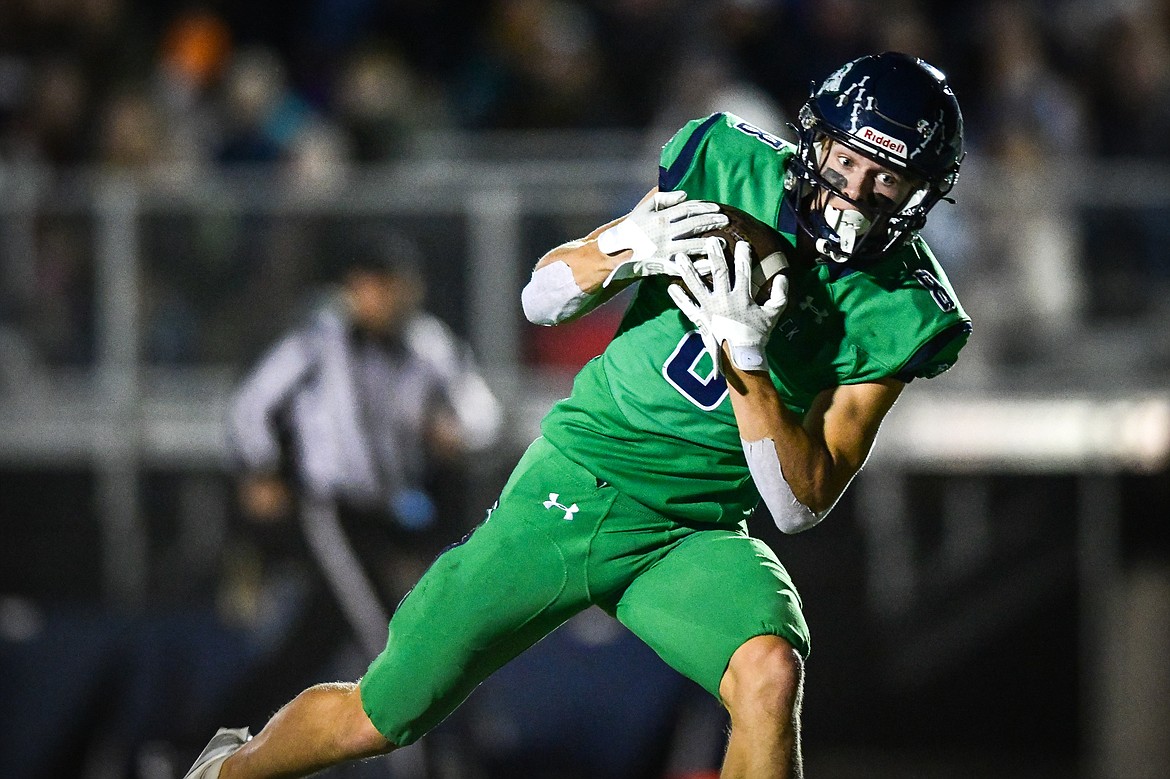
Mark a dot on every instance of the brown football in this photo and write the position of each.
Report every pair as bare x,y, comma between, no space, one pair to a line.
769,248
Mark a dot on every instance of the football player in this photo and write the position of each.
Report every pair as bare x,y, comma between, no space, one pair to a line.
635,497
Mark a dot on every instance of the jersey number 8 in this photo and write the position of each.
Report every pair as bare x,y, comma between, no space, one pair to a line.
682,371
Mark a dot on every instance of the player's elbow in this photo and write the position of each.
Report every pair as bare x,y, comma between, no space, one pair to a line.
795,517
537,310
789,528
794,507
820,500
802,508
553,296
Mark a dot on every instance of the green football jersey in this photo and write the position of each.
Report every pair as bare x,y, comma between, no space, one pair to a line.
650,416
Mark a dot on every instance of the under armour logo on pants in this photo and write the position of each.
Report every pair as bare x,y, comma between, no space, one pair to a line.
553,501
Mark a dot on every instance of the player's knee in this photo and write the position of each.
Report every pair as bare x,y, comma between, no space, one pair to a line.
764,678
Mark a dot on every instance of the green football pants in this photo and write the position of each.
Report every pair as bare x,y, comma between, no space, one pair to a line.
556,543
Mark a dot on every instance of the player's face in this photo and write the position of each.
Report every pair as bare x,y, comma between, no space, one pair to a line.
867,183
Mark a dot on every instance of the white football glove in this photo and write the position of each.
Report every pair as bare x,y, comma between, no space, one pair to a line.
728,313
658,229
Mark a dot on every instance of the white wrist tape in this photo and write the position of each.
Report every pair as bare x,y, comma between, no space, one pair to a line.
626,234
552,295
789,514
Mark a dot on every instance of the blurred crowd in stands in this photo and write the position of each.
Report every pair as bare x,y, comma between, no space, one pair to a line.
126,83
317,86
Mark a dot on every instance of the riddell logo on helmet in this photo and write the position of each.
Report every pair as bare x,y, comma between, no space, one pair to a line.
880,139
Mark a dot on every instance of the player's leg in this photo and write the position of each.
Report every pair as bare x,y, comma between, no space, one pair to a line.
473,610
521,574
322,726
762,689
722,610
481,603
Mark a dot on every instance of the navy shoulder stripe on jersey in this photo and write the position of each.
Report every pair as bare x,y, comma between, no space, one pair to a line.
929,350
669,178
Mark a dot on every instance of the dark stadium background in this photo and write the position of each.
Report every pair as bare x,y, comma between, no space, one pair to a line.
991,598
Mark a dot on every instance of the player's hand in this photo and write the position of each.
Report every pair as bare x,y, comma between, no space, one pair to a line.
659,228
727,312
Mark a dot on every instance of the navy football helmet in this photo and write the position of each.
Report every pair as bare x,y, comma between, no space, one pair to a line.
896,110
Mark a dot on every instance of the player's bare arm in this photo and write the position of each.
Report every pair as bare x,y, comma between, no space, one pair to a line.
569,281
826,451
819,456
578,276
590,266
